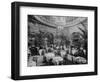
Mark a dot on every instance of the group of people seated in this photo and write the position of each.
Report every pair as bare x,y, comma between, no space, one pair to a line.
55,55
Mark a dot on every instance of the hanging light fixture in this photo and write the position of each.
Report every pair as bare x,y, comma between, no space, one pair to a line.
60,27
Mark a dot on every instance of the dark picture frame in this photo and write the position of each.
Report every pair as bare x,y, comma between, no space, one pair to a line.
15,41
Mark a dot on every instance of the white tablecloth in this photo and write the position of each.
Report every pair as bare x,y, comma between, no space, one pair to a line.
63,53
49,56
57,59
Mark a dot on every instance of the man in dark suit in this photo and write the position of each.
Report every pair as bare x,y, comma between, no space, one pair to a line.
34,50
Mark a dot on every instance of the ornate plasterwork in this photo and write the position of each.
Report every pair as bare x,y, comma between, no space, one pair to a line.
55,21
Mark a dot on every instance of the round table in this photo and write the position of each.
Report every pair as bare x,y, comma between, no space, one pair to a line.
57,59
49,56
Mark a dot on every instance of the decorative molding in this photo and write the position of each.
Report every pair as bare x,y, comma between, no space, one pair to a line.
55,24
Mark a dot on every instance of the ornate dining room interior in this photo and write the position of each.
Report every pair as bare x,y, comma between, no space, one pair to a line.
57,40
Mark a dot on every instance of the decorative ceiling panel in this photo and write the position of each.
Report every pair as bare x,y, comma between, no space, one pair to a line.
64,21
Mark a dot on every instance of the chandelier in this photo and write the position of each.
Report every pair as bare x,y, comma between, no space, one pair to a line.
60,27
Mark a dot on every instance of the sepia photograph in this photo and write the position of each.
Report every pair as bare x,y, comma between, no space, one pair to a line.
57,40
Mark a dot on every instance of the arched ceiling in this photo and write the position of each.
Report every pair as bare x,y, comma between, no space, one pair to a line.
55,21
